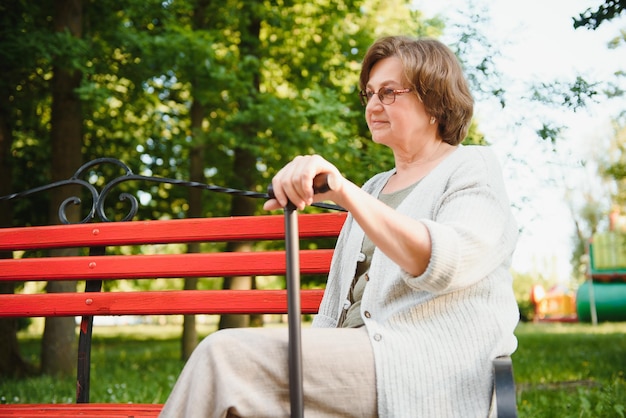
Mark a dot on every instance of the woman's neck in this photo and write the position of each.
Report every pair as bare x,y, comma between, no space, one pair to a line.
411,169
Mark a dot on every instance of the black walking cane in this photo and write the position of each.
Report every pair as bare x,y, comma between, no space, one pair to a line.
294,311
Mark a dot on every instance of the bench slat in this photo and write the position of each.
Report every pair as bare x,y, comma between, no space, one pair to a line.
269,227
82,410
170,265
156,265
170,302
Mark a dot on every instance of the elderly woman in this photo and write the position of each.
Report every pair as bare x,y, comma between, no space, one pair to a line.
419,298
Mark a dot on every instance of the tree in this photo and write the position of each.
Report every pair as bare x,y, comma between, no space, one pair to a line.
609,10
59,337
222,92
611,162
11,362
23,129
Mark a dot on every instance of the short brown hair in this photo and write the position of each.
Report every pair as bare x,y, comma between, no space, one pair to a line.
435,74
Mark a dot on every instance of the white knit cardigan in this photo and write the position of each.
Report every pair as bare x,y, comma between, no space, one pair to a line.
434,336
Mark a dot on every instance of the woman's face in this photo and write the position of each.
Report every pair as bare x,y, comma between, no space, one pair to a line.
403,124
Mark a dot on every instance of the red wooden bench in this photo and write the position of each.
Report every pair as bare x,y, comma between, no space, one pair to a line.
95,268
110,267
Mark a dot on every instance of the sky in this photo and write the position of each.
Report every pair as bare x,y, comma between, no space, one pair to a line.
537,42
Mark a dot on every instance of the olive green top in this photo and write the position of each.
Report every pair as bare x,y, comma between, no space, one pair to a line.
352,307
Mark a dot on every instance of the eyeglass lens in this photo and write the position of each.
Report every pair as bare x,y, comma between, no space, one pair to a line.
385,95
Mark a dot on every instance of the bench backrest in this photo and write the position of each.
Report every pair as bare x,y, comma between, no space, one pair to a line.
158,265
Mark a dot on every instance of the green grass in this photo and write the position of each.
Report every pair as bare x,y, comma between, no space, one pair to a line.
571,370
124,369
561,370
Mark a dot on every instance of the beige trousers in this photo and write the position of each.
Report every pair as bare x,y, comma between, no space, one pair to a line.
244,372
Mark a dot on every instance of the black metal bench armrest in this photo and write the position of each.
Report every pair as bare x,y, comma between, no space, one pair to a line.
505,387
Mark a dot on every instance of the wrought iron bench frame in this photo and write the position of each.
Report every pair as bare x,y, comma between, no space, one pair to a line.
96,232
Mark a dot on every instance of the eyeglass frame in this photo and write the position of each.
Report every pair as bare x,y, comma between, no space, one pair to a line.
366,96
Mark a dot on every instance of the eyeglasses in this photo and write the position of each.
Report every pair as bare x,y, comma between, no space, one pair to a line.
386,95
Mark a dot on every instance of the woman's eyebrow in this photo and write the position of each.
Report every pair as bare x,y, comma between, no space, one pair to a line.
384,83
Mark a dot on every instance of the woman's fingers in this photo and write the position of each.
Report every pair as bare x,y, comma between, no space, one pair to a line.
272,204
295,181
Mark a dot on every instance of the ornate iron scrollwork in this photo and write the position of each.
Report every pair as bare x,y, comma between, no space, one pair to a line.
99,197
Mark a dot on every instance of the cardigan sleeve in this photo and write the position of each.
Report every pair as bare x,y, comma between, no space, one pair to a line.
472,229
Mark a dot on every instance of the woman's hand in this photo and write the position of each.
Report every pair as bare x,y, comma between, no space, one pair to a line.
403,239
294,182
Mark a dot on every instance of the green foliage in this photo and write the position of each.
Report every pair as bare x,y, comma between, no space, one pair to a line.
613,164
580,92
549,131
522,288
477,55
291,90
576,94
606,11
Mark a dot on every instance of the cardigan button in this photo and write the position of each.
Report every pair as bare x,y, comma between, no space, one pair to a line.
367,314
367,277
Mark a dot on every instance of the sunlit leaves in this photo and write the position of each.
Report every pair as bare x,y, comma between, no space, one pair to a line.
608,10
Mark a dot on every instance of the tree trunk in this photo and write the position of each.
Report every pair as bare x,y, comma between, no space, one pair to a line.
243,167
58,351
241,206
11,362
189,339
196,168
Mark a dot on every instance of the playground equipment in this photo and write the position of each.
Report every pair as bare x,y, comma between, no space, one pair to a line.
557,304
610,301
603,296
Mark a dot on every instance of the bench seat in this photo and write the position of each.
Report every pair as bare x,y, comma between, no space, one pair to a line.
82,410
96,239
